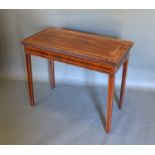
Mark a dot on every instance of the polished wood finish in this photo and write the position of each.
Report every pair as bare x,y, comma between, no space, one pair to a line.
85,46
29,77
124,74
95,52
51,73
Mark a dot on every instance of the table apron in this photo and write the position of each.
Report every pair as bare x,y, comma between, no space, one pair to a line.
106,68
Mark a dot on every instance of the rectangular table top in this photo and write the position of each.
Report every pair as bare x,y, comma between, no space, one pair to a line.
79,44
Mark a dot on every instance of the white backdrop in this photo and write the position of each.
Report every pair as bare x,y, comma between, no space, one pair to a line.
135,25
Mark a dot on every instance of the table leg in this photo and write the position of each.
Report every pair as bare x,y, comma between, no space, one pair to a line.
111,86
125,66
29,78
51,73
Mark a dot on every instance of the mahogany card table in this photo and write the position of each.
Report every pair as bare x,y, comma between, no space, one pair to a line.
96,52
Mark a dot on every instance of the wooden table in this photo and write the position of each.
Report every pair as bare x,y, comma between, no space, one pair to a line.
95,52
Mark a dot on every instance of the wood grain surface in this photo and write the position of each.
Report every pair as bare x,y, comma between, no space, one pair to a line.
81,45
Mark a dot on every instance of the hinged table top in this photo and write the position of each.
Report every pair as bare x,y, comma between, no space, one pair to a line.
80,44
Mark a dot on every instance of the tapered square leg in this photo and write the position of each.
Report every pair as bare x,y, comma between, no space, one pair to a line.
124,74
51,73
111,86
29,78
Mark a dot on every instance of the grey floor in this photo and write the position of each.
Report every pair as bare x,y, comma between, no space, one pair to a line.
72,114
